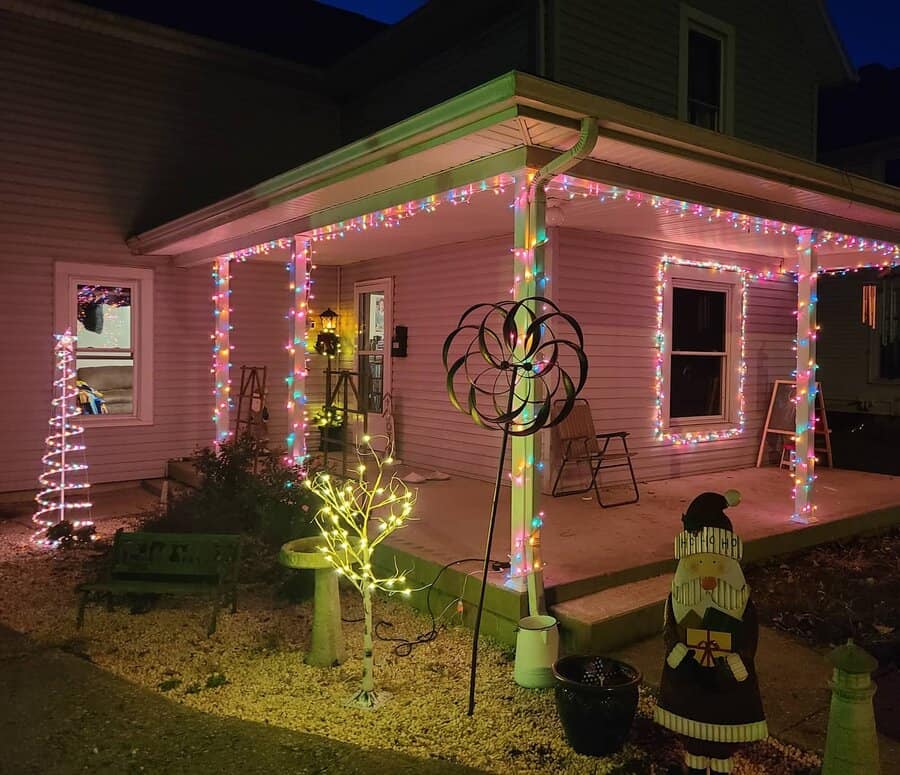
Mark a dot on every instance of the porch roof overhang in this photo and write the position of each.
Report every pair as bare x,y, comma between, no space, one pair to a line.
518,121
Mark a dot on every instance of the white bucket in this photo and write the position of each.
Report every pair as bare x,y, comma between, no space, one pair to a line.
537,648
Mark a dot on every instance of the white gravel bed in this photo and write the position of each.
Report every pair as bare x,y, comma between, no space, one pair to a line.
258,653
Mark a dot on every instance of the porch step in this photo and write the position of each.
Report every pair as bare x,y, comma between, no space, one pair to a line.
185,472
611,618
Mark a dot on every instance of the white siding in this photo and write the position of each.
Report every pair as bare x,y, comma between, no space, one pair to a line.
432,289
100,137
609,284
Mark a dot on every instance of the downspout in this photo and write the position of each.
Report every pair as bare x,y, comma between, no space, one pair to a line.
537,197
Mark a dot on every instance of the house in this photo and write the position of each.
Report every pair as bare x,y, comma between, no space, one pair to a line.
648,168
860,354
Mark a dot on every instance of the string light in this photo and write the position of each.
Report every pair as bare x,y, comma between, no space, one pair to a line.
63,477
221,348
696,437
299,272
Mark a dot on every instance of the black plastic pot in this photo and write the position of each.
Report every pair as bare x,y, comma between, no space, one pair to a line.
596,699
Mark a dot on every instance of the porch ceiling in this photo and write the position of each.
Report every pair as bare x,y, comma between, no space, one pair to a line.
517,121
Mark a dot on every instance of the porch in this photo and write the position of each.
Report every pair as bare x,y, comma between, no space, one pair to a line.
608,571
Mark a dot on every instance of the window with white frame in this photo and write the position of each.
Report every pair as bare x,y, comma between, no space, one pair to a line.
110,310
702,324
706,71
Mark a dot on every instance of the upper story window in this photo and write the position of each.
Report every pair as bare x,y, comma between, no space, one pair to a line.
706,71
110,309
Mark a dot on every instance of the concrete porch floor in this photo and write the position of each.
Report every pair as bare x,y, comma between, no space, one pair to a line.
582,543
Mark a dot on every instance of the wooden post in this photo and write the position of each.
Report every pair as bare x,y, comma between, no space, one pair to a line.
222,349
298,284
805,441
526,565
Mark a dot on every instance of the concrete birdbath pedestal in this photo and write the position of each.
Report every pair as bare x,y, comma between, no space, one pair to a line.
327,648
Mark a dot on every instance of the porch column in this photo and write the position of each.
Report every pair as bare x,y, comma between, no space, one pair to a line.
525,518
298,285
221,363
805,438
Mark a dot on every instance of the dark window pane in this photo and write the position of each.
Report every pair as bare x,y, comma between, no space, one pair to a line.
696,386
892,172
704,95
698,320
704,68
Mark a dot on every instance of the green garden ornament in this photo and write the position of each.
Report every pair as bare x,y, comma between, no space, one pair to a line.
709,693
851,745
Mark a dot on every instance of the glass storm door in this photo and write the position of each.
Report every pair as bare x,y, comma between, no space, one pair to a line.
373,351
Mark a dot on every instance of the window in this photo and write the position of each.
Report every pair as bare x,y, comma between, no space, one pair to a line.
700,355
892,172
886,336
699,358
706,71
110,309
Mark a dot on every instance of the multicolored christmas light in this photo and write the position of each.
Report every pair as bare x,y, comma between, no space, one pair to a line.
299,270
221,349
64,481
662,353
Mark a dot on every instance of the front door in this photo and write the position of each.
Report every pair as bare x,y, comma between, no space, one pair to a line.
373,351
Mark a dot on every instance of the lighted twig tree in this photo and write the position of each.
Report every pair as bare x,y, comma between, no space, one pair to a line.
64,482
357,515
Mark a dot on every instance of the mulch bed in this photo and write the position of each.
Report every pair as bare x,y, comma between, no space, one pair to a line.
845,589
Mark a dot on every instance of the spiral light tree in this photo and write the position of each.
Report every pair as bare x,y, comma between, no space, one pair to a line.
505,365
64,481
357,515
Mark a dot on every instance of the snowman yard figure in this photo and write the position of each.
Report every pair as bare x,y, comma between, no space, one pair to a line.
709,693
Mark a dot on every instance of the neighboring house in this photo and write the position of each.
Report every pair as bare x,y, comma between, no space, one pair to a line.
115,120
860,363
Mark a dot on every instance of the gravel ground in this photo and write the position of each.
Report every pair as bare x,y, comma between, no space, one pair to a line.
252,669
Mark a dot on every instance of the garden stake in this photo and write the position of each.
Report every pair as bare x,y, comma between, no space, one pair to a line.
522,344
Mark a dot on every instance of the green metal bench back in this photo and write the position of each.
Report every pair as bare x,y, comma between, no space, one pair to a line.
185,555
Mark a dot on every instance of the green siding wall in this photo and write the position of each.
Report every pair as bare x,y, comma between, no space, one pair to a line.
629,51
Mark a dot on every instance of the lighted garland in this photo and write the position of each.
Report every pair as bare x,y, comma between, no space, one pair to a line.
64,482
299,270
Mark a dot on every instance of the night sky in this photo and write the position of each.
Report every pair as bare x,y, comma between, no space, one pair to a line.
869,29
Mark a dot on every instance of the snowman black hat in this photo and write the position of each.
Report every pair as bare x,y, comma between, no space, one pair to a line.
707,529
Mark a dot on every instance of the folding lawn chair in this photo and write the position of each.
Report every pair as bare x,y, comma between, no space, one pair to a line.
582,444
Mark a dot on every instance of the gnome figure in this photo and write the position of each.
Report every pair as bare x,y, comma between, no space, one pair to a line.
709,693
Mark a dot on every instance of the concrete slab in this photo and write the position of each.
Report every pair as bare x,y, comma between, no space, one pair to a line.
794,685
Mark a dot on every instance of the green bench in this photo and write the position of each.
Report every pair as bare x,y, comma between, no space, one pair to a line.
169,564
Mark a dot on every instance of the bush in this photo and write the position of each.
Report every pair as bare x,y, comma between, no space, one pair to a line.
269,503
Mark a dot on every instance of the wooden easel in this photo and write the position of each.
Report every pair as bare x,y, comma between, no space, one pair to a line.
251,406
781,420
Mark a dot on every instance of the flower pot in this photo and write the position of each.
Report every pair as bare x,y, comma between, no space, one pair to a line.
596,699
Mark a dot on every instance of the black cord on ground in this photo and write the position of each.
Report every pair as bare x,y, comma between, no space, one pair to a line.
405,646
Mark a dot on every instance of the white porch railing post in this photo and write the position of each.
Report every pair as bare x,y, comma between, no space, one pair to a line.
805,438
525,519
221,365
298,285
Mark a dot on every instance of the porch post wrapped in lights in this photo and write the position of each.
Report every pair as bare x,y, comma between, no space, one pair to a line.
299,272
805,438
221,362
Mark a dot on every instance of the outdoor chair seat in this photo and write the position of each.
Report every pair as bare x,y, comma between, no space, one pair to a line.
581,444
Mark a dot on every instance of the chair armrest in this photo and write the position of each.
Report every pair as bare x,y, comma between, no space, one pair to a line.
613,435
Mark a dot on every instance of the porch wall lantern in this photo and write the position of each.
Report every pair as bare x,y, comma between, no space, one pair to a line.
327,341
